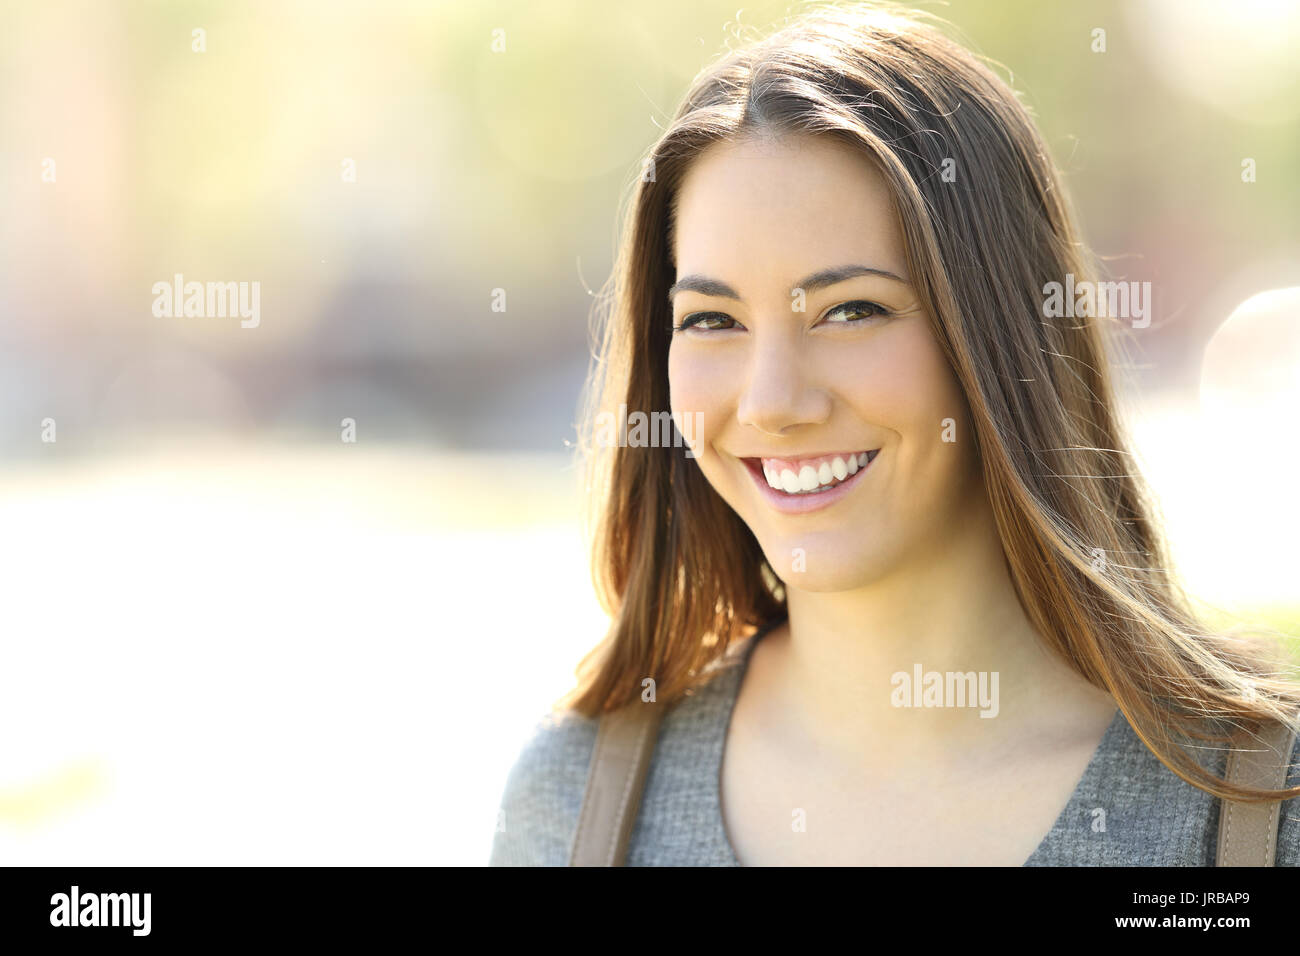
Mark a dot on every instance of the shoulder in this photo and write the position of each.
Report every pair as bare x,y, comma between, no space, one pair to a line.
1288,829
538,813
543,792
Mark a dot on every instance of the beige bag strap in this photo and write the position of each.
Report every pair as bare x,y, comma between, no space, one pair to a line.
1248,831
625,741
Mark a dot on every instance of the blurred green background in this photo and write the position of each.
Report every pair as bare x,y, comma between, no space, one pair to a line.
279,638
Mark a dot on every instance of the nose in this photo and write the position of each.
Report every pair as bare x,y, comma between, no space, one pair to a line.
780,390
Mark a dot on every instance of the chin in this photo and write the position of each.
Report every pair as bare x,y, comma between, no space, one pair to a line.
824,567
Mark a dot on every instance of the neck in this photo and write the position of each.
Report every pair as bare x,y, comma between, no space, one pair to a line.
952,611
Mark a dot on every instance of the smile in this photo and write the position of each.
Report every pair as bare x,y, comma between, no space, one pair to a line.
798,485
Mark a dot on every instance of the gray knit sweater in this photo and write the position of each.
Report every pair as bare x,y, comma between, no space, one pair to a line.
1152,817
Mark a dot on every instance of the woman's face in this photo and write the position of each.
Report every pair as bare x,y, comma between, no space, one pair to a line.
800,379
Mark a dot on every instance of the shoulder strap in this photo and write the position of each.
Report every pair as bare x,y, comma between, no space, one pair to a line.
624,742
1248,831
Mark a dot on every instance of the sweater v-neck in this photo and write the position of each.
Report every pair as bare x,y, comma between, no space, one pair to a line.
1073,810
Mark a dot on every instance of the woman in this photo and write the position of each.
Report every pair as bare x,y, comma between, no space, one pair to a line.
905,507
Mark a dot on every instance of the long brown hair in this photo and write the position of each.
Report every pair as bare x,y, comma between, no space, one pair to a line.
681,574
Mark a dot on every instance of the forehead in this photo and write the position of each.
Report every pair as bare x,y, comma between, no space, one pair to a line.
772,209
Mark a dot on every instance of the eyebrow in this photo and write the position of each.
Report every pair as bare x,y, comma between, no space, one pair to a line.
818,280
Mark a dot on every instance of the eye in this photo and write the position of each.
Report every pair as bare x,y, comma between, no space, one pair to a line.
863,309
859,310
709,321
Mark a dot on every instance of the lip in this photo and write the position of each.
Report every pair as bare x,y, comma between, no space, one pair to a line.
803,504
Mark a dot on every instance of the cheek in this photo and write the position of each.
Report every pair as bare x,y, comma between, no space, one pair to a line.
902,382
696,387
699,394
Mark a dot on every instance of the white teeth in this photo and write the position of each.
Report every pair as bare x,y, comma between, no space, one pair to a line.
818,479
